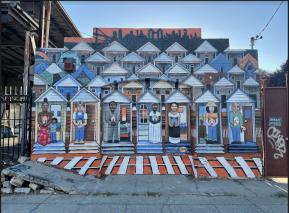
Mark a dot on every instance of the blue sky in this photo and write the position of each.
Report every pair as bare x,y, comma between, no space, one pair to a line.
237,21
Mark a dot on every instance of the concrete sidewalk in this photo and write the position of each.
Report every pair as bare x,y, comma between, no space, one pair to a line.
160,194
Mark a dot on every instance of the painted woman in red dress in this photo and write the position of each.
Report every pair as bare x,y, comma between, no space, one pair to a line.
44,120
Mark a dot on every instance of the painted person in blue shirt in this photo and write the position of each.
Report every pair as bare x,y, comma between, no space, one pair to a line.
236,122
53,128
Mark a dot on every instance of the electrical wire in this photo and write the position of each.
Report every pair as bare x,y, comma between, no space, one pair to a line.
264,28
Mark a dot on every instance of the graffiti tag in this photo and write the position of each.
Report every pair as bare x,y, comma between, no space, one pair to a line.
277,141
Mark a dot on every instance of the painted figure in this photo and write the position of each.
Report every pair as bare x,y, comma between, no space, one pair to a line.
202,132
155,125
236,122
44,120
212,121
79,121
111,120
53,128
174,124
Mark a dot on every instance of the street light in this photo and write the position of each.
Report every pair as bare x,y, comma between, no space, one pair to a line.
253,39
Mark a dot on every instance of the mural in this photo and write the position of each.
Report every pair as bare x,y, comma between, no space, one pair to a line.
82,106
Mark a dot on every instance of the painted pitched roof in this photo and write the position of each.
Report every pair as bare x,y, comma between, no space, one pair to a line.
39,80
246,58
133,84
98,81
115,47
206,69
251,82
82,46
39,68
67,81
193,82
52,78
177,69
115,69
133,57
228,50
239,97
52,95
97,57
149,68
163,58
117,97
206,97
133,77
221,61
223,82
148,47
53,69
177,97
84,95
54,50
236,70
162,84
206,47
176,47
84,69
148,97
191,59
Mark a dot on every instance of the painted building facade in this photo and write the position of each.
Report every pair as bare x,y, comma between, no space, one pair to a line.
171,93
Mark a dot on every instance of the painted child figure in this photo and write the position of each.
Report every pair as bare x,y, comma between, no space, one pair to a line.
212,121
174,124
79,121
155,125
53,128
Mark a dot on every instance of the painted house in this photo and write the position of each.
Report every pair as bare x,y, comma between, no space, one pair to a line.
115,51
68,86
191,62
177,137
163,62
149,52
234,55
99,87
162,89
177,72
84,50
206,69
149,71
52,73
241,123
149,124
176,51
69,61
85,110
50,109
132,62
208,128
206,52
223,88
97,62
197,87
117,138
237,76
133,90
83,75
114,73
221,63
54,54
251,87
40,85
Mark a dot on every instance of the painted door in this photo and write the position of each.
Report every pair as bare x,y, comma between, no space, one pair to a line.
125,123
143,123
183,122
91,122
248,123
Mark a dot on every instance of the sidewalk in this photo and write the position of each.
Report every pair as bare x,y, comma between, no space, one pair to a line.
160,194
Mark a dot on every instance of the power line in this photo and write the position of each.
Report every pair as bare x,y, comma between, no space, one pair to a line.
264,28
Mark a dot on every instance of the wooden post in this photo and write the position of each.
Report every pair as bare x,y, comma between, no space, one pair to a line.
41,21
47,23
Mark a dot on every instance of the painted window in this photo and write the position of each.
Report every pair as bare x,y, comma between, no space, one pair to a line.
143,114
206,60
238,84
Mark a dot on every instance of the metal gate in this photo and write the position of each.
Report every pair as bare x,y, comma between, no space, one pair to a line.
15,120
275,121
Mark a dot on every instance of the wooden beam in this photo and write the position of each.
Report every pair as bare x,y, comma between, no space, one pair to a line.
47,23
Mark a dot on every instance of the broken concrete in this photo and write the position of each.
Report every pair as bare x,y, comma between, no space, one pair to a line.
57,179
25,190
23,159
15,181
46,191
7,190
34,186
6,184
